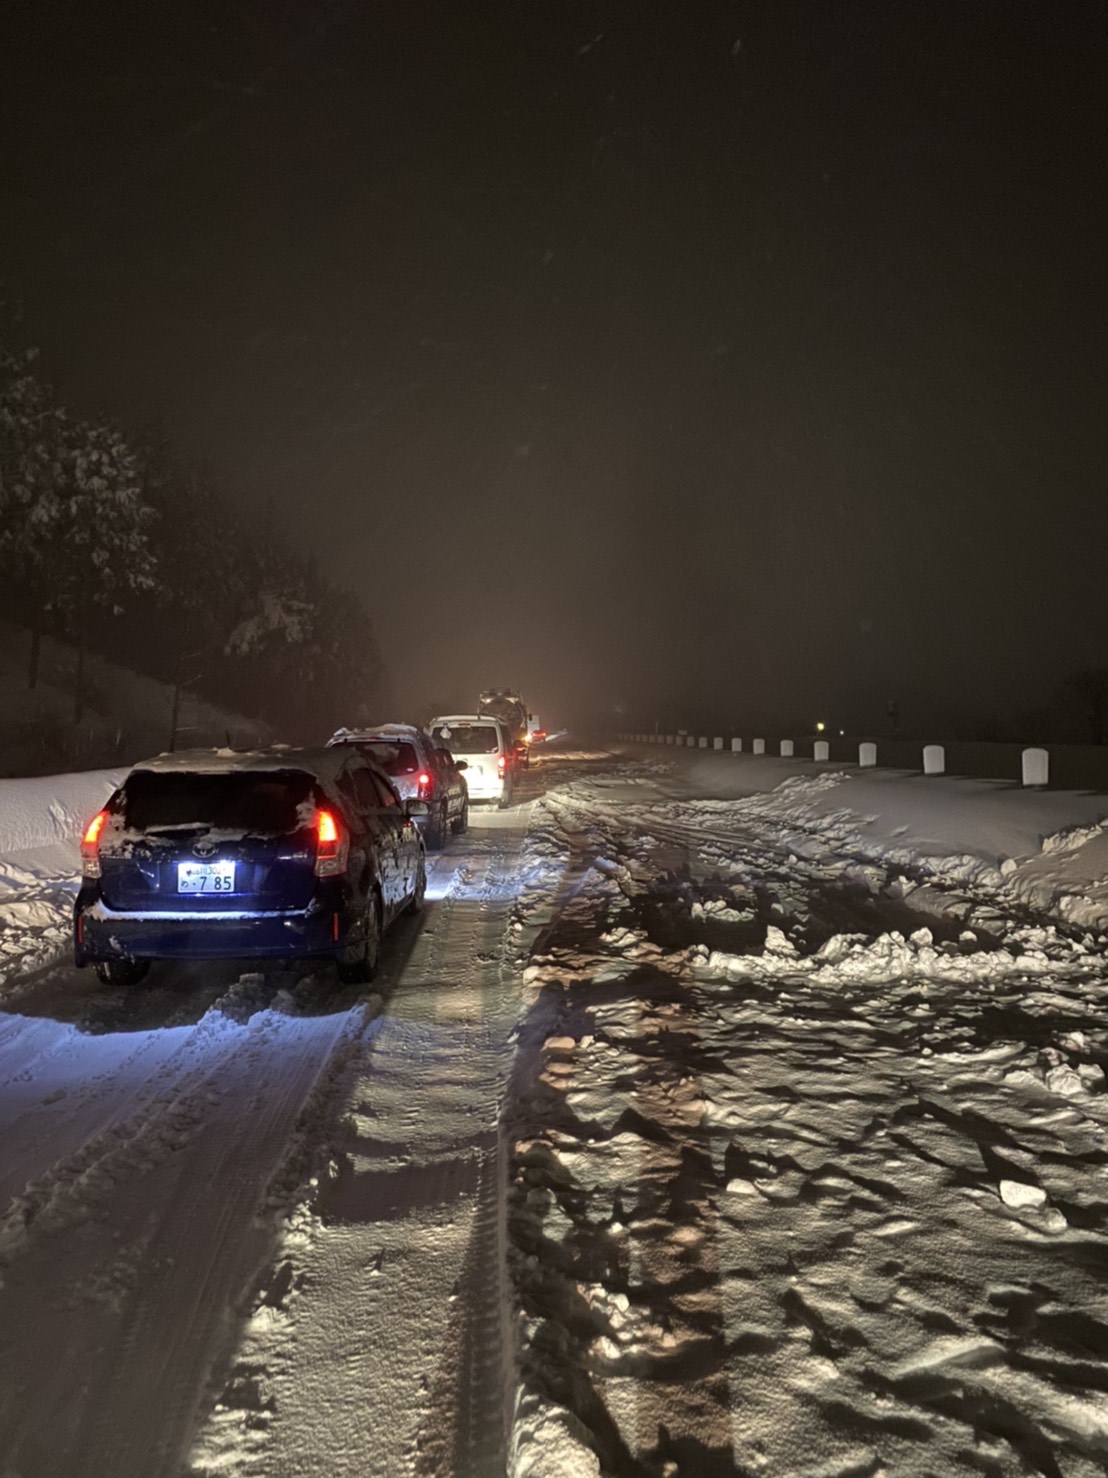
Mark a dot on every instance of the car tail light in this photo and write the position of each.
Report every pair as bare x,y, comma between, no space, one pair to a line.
423,782
502,762
90,846
332,846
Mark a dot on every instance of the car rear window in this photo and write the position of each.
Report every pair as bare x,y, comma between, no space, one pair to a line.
395,758
468,738
248,801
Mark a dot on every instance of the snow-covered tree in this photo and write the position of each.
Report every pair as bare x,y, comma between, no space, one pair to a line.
278,614
87,518
74,522
30,423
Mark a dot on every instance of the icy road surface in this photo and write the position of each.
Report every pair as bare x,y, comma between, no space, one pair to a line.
677,1138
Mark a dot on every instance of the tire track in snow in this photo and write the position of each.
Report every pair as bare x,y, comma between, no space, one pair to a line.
122,1265
387,1353
63,1103
476,1374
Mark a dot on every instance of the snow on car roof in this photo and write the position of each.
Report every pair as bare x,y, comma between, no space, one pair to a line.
376,731
465,718
323,763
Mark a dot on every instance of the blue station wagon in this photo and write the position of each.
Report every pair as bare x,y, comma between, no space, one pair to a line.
272,854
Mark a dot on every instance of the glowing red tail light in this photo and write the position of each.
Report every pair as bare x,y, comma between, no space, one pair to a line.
423,781
90,846
332,846
502,762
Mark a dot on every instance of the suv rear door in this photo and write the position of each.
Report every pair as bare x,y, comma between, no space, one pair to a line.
196,841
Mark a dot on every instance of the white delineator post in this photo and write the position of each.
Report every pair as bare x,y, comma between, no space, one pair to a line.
934,759
1036,767
867,755
758,746
736,746
821,751
786,749
717,743
702,742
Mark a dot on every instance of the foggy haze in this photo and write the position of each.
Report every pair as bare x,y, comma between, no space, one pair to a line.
731,363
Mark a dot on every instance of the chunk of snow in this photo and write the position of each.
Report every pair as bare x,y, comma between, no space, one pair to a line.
778,943
1064,1080
552,1441
1020,1196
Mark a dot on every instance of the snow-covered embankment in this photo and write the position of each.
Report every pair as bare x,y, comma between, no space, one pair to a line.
41,820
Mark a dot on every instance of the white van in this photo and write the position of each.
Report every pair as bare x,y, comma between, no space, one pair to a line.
483,742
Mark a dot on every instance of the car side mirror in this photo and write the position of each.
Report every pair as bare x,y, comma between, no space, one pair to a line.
412,807
461,764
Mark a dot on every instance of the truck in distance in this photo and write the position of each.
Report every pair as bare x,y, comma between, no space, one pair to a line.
507,705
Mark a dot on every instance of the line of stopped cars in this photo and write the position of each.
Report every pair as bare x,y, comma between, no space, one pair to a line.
280,854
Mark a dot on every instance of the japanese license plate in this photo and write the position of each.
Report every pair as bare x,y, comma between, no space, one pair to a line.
205,877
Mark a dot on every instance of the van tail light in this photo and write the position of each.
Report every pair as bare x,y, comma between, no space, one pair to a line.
332,846
423,782
90,846
502,762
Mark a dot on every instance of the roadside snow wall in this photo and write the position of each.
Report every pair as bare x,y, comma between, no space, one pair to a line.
47,809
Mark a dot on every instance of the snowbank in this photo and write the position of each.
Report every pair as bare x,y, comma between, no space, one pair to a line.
49,809
993,819
1045,849
41,821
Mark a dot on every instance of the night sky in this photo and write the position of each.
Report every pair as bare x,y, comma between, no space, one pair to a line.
734,360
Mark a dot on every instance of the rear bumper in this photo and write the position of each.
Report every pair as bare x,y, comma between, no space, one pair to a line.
100,933
485,787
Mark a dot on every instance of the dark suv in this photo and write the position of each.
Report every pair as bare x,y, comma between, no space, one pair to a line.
274,854
421,770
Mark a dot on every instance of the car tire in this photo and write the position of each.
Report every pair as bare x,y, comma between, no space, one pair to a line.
505,798
460,825
434,839
360,965
122,972
415,903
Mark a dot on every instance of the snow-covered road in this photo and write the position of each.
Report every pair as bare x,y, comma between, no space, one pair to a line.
811,1178
682,1135
183,1161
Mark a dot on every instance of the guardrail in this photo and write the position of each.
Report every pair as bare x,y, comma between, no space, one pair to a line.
1064,766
